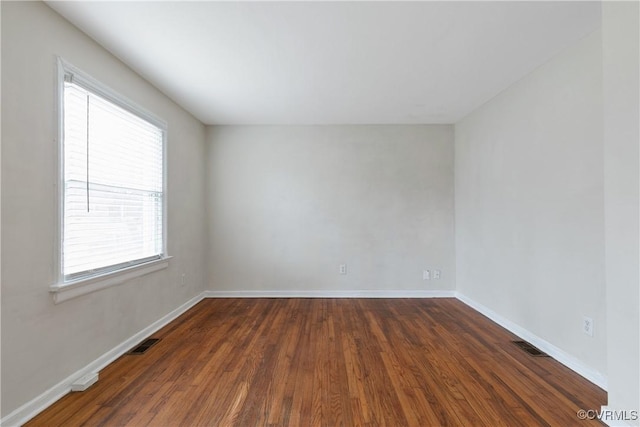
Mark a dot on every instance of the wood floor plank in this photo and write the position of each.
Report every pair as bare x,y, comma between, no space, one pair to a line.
331,362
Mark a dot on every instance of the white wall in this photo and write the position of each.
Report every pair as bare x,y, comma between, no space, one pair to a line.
530,203
288,204
43,343
0,220
620,34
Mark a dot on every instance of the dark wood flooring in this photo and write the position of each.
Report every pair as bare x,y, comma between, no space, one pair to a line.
331,362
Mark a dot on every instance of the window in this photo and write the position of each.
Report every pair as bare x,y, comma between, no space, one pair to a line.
112,156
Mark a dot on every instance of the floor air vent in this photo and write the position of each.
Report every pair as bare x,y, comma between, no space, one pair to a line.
144,346
530,348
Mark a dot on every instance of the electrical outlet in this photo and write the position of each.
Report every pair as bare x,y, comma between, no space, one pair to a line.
184,275
436,274
426,275
343,269
587,325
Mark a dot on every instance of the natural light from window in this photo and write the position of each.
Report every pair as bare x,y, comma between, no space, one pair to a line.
113,186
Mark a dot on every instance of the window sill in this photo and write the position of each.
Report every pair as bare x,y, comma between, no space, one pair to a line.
65,291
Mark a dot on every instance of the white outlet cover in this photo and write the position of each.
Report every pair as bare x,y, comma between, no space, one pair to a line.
343,268
426,275
436,274
587,325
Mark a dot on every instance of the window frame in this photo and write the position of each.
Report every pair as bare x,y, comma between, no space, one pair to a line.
63,289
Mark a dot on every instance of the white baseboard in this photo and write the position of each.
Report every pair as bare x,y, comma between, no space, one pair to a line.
83,383
561,356
331,294
607,415
46,399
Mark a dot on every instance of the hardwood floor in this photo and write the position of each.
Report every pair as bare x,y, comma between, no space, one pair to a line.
331,362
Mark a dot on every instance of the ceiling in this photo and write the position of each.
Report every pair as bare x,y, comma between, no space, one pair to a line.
332,62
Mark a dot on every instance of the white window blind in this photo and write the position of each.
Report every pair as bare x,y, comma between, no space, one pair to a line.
113,185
